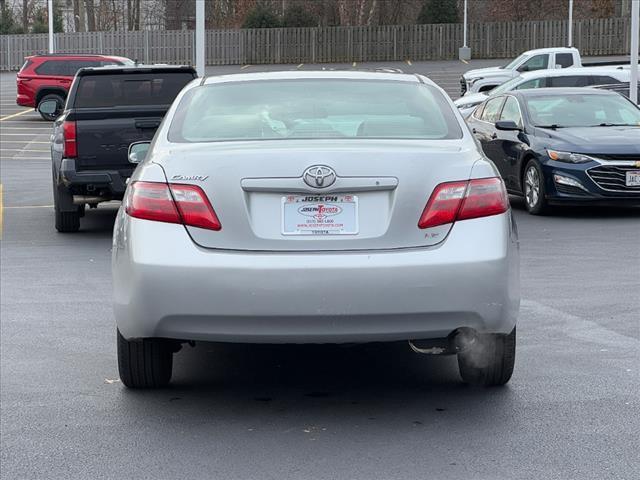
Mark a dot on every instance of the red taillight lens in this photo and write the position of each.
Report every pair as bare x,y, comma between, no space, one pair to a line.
485,197
186,204
194,207
464,200
69,136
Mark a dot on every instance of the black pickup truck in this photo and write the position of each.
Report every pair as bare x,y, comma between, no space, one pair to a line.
107,109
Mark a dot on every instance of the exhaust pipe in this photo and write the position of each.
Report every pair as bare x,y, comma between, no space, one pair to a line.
457,341
82,199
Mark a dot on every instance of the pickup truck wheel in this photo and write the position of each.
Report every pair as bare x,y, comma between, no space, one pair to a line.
145,363
66,222
490,360
59,101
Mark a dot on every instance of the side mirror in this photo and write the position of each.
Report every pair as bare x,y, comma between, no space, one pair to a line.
138,151
48,107
507,125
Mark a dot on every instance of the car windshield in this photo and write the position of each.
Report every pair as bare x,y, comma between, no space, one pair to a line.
506,86
313,108
514,62
580,110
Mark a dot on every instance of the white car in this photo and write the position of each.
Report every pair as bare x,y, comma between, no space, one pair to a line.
485,79
315,207
569,77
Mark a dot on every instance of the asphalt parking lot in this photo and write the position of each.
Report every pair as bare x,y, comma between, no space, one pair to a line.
571,410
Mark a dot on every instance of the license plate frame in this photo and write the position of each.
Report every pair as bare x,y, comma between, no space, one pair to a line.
319,215
632,178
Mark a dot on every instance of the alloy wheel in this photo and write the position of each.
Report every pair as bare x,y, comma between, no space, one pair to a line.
532,187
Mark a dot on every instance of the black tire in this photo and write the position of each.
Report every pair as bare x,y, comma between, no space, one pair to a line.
59,100
66,222
145,363
533,188
490,360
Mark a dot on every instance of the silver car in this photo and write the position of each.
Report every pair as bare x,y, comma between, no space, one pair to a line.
315,207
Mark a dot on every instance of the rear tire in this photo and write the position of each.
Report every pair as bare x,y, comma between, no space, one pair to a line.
66,222
490,360
59,101
145,363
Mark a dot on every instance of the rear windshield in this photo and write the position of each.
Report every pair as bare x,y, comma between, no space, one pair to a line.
129,90
578,110
313,108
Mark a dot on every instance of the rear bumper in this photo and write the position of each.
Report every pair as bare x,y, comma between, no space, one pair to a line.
115,181
25,100
166,286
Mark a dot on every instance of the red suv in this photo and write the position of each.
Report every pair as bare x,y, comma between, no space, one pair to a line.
49,77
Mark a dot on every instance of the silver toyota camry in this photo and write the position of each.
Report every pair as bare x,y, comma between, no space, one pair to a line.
315,207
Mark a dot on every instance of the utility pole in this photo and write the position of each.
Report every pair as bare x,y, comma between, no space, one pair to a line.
52,48
635,33
570,30
200,43
464,53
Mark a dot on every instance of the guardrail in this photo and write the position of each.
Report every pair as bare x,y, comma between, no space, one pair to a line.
607,36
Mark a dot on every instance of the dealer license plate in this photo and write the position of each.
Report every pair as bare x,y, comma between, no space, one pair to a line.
320,215
633,178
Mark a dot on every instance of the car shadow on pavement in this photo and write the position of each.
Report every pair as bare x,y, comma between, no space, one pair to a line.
577,212
315,387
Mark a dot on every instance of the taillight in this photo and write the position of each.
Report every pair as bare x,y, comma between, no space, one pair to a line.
69,136
464,200
174,203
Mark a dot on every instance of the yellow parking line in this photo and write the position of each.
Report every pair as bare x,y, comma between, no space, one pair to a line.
245,66
15,115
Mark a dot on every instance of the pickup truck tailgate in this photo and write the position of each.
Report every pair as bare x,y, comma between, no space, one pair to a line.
114,108
103,138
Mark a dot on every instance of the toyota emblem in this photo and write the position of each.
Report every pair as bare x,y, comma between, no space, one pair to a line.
319,176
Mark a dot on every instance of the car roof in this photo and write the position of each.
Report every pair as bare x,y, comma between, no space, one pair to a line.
550,50
566,72
74,55
122,69
558,92
318,74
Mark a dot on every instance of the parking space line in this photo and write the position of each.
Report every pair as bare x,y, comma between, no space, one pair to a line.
22,150
27,206
2,119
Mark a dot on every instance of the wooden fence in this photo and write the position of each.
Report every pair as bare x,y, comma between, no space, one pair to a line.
610,36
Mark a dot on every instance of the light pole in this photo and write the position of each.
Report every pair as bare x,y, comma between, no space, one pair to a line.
200,43
50,15
635,32
570,29
465,52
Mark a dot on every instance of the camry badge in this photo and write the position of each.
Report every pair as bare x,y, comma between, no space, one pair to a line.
319,176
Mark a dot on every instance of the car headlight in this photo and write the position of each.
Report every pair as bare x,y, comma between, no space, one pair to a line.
474,80
568,157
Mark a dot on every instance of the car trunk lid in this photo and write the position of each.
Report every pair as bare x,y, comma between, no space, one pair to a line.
259,192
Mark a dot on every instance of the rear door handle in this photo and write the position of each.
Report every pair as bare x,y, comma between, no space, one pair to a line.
147,124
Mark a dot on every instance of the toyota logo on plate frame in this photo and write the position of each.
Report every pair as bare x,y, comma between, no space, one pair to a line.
319,176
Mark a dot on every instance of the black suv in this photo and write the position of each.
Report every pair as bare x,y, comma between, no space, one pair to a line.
108,109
